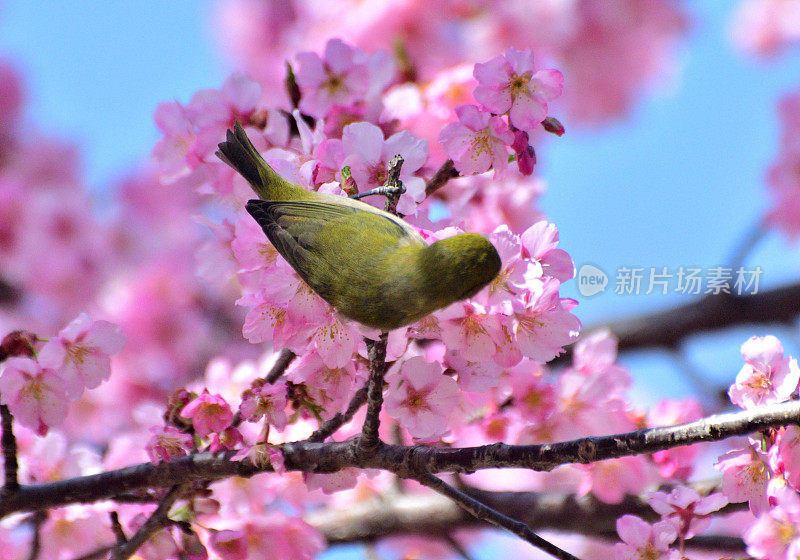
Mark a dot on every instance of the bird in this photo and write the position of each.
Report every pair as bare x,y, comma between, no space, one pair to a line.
370,265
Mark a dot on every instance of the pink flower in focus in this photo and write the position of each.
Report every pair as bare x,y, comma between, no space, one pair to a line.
81,353
168,442
767,376
508,83
477,142
687,507
209,413
466,328
545,324
36,395
421,398
337,79
611,480
644,541
745,475
267,400
539,244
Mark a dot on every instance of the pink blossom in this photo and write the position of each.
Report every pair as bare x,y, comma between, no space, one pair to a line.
508,83
687,507
229,544
36,395
745,475
81,353
332,483
765,27
545,324
466,328
330,387
167,443
774,535
784,455
539,244
421,399
611,480
767,376
209,413
477,142
266,400
364,150
642,540
337,79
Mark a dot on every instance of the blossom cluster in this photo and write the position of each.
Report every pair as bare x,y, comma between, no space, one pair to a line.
584,39
764,472
41,378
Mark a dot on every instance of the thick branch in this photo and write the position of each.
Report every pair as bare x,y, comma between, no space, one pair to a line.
433,514
667,329
407,461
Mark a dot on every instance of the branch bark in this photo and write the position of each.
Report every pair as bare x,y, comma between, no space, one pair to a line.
405,461
668,329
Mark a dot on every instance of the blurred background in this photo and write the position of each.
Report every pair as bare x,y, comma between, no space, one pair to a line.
677,179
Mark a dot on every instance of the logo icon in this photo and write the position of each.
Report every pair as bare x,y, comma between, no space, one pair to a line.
591,280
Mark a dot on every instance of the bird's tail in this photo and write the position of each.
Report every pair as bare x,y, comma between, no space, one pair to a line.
238,152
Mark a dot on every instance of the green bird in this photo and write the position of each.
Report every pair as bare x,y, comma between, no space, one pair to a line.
370,265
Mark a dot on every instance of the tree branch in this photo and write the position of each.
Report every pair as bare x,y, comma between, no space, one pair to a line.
486,513
153,524
330,426
446,172
284,359
406,461
9,444
369,439
667,329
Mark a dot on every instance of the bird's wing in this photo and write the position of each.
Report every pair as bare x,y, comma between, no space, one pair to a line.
307,233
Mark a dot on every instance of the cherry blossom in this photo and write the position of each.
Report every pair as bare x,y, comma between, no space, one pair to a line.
421,399
208,413
477,142
36,395
82,352
508,83
643,540
767,375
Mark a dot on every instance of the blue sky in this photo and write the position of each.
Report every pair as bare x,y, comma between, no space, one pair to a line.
678,183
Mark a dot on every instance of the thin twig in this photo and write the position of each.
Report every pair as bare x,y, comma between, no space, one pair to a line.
457,547
284,359
370,439
153,524
330,426
9,445
482,511
116,528
101,552
446,172
36,520
756,233
395,185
